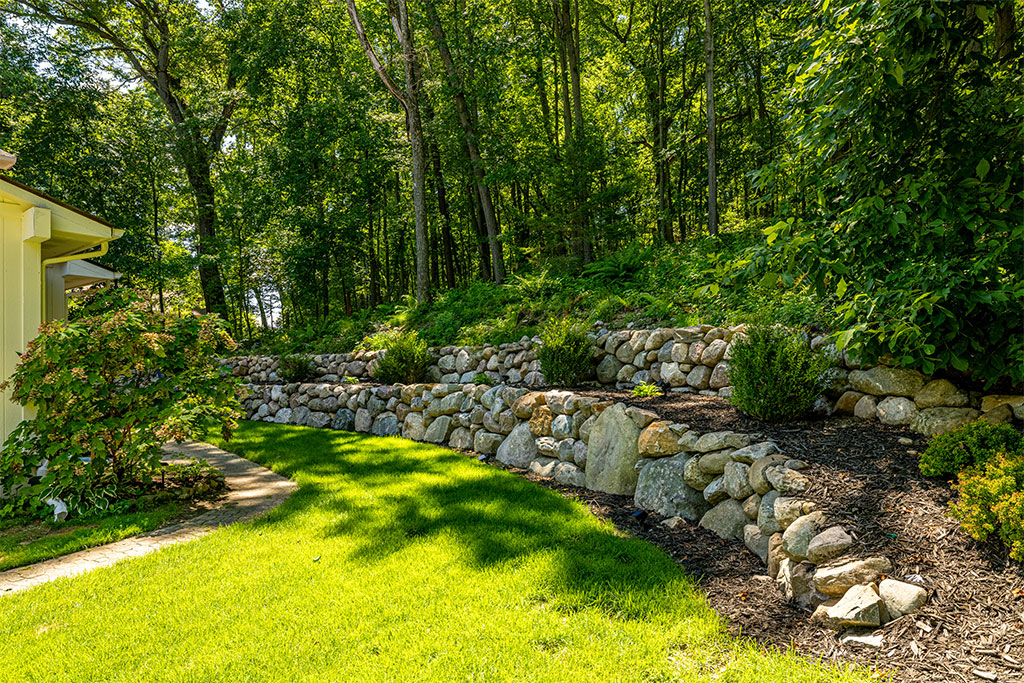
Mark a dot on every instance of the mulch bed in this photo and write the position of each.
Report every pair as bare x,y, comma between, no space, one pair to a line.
972,628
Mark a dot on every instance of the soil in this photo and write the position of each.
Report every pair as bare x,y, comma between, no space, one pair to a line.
971,629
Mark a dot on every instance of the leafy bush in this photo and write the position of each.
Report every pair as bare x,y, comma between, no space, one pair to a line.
565,356
619,268
379,340
645,390
969,446
775,374
295,367
404,360
108,391
481,378
992,501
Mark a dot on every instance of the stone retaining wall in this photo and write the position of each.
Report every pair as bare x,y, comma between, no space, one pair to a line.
685,359
726,482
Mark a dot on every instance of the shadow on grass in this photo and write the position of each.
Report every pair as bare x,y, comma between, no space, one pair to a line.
390,494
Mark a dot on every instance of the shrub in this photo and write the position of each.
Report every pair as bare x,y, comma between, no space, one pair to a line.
404,360
108,391
969,446
481,378
296,367
565,356
775,374
992,501
645,389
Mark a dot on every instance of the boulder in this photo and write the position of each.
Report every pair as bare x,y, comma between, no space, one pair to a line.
829,544
751,506
896,410
798,535
699,377
438,430
570,475
788,510
487,443
935,421
662,488
796,580
461,439
900,597
725,519
939,393
344,420
318,420
737,480
564,427
883,381
993,401
847,402
525,404
715,493
540,423
775,555
385,424
1001,413
758,481
838,578
608,369
543,467
713,353
714,463
412,427
695,476
860,606
657,440
866,407
766,519
756,541
612,452
786,481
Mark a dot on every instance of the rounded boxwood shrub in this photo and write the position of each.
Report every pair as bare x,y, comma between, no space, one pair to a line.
968,446
775,374
565,356
404,360
991,501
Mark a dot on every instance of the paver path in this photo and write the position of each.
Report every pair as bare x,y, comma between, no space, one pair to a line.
253,490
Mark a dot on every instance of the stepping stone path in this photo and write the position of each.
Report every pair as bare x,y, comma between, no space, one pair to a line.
252,491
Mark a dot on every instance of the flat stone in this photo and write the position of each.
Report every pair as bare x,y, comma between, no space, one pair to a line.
838,578
755,451
901,597
612,452
830,543
862,638
725,519
661,487
798,535
716,441
859,606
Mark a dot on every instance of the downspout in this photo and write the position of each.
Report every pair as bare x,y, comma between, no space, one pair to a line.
104,247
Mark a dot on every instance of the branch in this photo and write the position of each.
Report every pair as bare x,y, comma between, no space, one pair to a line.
382,73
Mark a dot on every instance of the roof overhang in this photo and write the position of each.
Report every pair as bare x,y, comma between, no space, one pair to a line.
67,230
83,273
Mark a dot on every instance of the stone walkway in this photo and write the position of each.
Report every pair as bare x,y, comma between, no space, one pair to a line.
252,491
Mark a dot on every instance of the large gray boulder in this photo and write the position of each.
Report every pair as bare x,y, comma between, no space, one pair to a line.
883,381
612,452
438,430
935,421
662,488
519,448
726,519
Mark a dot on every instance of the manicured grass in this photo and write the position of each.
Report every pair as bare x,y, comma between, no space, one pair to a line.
23,543
394,561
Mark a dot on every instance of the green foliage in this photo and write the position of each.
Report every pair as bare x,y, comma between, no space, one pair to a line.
775,374
912,154
481,378
620,268
108,391
380,340
969,446
991,501
404,360
295,367
645,390
565,356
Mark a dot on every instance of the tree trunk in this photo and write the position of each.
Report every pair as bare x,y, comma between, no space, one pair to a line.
199,177
469,131
709,78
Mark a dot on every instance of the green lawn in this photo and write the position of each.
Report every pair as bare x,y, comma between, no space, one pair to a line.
394,561
23,543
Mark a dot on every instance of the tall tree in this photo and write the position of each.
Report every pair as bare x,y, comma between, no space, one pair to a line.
398,12
709,78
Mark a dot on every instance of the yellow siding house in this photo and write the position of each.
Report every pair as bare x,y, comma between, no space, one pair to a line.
40,234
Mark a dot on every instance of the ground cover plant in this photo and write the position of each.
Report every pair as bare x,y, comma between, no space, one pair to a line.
393,561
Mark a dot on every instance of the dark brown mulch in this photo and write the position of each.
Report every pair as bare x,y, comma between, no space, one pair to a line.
973,625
